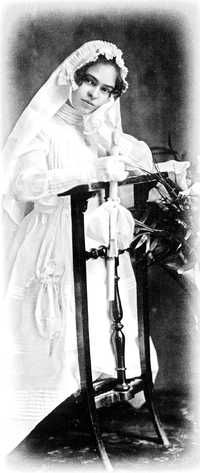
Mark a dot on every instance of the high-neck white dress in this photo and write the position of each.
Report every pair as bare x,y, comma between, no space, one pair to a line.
42,350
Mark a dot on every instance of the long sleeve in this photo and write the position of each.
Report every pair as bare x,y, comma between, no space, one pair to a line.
51,166
33,183
33,180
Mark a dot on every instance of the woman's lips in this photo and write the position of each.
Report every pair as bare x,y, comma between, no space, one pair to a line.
88,103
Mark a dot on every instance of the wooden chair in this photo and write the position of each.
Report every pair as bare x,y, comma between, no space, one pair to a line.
108,391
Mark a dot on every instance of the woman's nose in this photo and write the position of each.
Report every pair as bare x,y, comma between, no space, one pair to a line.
94,92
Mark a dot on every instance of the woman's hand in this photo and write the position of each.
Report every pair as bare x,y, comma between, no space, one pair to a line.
129,164
110,168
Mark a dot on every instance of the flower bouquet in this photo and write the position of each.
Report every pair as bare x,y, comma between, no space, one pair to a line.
167,231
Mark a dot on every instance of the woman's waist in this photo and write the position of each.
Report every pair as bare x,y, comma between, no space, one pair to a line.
48,205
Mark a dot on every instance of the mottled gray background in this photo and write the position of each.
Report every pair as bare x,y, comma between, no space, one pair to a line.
155,51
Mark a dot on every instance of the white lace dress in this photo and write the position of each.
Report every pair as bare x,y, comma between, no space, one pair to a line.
40,299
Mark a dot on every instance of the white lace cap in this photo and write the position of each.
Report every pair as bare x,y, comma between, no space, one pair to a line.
90,52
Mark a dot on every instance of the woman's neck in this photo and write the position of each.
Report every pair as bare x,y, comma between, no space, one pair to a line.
70,115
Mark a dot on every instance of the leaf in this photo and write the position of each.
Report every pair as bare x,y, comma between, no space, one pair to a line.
142,240
154,244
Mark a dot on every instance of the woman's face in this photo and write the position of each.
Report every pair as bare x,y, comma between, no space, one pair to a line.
96,88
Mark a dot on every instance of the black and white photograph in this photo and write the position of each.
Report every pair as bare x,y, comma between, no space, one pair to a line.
100,236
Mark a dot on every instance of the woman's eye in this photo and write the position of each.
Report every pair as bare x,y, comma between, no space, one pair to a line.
106,91
89,80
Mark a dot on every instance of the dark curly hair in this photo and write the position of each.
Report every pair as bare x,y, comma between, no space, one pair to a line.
119,86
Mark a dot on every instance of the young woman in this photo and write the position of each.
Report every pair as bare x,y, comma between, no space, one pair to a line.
65,138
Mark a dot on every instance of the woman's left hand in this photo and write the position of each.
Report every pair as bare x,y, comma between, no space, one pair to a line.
129,164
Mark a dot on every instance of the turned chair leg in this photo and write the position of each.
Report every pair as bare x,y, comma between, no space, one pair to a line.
141,273
118,336
162,437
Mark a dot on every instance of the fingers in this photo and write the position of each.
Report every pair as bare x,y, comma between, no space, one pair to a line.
134,171
129,164
114,170
111,169
120,176
123,158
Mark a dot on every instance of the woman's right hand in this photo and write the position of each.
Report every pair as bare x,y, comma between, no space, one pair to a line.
110,169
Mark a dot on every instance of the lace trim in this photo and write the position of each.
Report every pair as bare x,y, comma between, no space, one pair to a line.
87,53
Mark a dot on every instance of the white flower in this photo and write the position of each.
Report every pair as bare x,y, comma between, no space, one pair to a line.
177,171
